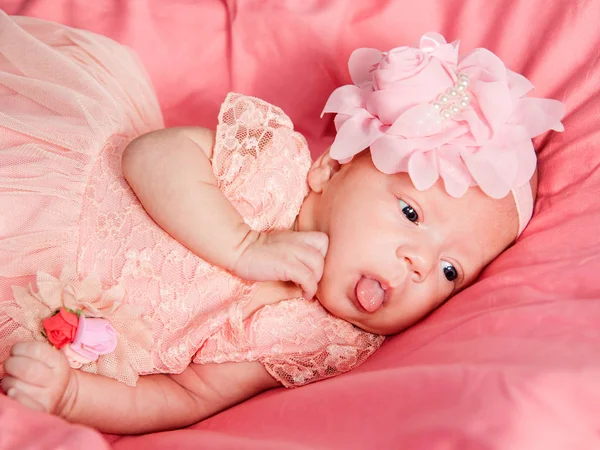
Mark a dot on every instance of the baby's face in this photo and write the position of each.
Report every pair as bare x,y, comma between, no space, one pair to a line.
396,253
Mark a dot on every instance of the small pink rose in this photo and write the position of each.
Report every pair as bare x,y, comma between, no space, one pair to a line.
395,81
94,337
397,65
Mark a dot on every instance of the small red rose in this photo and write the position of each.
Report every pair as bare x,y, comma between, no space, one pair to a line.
61,327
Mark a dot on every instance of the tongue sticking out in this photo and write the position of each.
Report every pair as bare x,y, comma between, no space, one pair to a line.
370,294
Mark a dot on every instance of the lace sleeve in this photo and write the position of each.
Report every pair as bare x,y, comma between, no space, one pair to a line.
260,162
297,341
310,344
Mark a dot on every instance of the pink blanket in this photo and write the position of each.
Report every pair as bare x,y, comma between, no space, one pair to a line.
511,363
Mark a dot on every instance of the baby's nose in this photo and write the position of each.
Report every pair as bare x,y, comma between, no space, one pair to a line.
418,260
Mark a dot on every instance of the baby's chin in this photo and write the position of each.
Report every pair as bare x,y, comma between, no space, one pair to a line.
341,306
335,308
342,309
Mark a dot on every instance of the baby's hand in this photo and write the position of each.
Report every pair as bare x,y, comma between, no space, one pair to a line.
38,376
295,256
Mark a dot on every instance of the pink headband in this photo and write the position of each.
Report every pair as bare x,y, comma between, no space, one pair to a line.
426,112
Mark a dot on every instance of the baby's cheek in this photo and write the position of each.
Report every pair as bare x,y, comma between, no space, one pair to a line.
426,299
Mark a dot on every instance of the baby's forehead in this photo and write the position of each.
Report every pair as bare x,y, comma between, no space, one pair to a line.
474,212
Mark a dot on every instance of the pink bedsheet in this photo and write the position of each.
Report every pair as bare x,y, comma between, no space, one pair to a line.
511,363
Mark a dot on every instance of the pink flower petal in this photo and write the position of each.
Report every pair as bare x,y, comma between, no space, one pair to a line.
538,115
483,65
431,41
361,62
495,102
345,99
355,135
423,169
518,84
94,337
418,121
76,361
389,151
436,45
453,171
390,154
505,161
493,171
477,124
388,104
448,54
455,186
451,132
339,120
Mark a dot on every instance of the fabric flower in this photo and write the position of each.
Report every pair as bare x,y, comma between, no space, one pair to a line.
61,327
400,107
87,294
94,337
75,293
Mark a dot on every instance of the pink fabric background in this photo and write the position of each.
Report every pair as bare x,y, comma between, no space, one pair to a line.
512,363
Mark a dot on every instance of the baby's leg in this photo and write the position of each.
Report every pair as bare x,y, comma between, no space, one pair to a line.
38,376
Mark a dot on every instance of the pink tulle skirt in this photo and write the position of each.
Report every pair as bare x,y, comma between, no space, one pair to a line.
65,95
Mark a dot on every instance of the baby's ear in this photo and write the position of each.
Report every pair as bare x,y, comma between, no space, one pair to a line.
321,171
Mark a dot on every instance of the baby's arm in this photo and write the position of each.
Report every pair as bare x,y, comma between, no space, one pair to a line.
39,377
164,402
171,173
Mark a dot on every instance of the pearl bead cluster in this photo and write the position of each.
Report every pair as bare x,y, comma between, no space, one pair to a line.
455,99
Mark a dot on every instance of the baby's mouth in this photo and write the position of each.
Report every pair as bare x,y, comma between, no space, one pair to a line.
370,294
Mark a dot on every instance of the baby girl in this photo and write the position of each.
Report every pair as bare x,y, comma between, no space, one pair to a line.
153,277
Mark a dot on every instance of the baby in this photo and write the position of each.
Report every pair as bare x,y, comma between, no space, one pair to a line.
167,275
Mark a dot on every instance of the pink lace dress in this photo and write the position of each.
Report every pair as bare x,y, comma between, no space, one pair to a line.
73,233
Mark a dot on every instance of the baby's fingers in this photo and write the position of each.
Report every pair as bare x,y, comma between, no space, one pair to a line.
14,389
311,258
315,239
39,351
28,370
302,275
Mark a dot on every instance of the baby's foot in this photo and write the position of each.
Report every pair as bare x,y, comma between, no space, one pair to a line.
38,376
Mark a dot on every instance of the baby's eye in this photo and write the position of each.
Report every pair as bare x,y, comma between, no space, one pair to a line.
449,271
408,211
